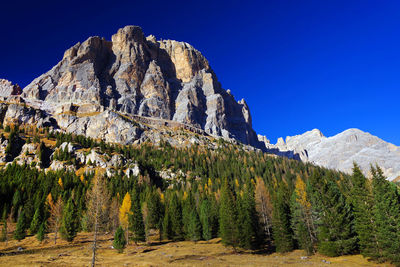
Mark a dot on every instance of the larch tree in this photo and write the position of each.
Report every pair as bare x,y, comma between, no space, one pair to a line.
56,212
264,208
124,212
302,221
98,199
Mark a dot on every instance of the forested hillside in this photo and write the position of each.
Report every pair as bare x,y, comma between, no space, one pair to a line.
251,200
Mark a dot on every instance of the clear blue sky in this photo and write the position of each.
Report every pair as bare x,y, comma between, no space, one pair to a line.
300,65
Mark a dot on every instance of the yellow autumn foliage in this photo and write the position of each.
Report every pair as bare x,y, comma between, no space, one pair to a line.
125,210
301,193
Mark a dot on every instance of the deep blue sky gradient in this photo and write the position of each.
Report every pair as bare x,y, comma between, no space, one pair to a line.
300,65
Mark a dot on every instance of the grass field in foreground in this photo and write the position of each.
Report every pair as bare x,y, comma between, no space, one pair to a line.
185,253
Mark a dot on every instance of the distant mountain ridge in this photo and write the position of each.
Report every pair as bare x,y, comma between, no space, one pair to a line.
340,151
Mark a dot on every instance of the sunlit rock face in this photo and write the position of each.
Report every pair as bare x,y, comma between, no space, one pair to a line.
133,74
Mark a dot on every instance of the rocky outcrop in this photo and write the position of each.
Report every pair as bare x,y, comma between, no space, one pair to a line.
132,74
8,89
340,151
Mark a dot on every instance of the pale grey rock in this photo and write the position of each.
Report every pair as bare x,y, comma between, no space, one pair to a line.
96,158
117,161
59,165
71,148
106,125
133,170
110,172
29,148
8,89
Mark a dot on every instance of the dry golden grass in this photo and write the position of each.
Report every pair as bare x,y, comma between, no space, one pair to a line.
185,253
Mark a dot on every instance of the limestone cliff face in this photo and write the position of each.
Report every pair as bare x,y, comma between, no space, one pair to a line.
137,75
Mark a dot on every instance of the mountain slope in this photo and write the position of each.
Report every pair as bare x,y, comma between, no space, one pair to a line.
340,151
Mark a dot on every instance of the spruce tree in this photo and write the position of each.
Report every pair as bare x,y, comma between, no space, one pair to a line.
205,218
188,206
194,226
119,242
166,226
281,230
3,235
249,230
228,217
69,222
155,210
364,223
36,221
136,218
387,217
20,232
175,217
41,233
336,232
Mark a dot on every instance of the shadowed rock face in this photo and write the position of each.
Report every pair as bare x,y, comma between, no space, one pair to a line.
340,151
137,75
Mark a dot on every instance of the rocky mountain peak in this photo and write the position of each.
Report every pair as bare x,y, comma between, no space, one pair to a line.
128,34
135,75
341,151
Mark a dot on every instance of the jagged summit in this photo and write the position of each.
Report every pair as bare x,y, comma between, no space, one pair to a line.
133,74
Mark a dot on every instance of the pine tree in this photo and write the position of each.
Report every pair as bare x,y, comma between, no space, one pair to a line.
36,221
364,223
119,242
387,217
69,223
228,217
282,232
136,219
20,232
336,233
